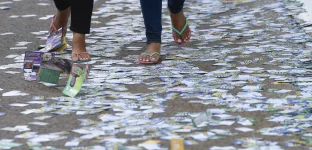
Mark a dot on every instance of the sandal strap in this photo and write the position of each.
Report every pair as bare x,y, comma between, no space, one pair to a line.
183,29
78,55
155,53
150,55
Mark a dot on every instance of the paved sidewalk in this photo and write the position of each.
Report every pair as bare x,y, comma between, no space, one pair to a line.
248,66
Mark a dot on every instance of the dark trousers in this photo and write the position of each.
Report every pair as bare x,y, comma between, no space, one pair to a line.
81,12
151,10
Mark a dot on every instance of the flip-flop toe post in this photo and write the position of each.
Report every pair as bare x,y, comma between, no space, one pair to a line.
150,58
180,33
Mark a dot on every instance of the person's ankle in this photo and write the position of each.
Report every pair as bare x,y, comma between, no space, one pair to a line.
152,47
78,36
155,44
177,14
79,41
64,13
61,17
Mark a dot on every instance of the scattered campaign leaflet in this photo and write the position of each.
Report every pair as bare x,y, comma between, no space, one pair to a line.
242,62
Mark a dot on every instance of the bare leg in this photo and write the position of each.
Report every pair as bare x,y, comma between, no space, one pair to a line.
81,12
60,19
178,21
79,47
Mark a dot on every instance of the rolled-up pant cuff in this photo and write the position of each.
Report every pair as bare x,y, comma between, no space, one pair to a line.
62,4
153,41
175,6
174,11
80,29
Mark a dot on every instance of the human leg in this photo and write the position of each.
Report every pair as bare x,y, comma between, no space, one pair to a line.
60,18
81,13
151,10
181,31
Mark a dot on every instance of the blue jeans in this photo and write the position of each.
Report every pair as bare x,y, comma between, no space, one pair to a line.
151,10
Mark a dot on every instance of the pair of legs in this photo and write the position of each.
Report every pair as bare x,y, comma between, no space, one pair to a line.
80,12
152,10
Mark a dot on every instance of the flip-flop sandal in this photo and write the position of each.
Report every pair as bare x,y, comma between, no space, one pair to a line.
64,45
180,33
80,60
151,56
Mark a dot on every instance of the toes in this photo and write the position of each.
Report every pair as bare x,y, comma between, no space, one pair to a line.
146,58
151,53
83,57
140,58
155,58
143,58
187,34
75,57
184,37
176,38
86,56
179,40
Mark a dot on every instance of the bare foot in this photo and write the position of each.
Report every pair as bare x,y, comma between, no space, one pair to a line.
178,21
151,48
79,52
60,20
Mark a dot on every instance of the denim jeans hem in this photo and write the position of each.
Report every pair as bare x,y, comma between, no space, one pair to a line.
174,11
153,41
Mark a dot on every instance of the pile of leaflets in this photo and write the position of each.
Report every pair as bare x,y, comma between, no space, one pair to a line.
56,41
44,66
47,68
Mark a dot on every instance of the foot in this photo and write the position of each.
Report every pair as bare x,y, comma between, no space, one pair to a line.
178,21
60,20
151,48
79,52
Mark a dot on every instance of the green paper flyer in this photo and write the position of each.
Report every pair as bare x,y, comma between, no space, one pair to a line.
78,75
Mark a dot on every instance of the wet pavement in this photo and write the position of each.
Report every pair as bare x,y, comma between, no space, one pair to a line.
243,82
